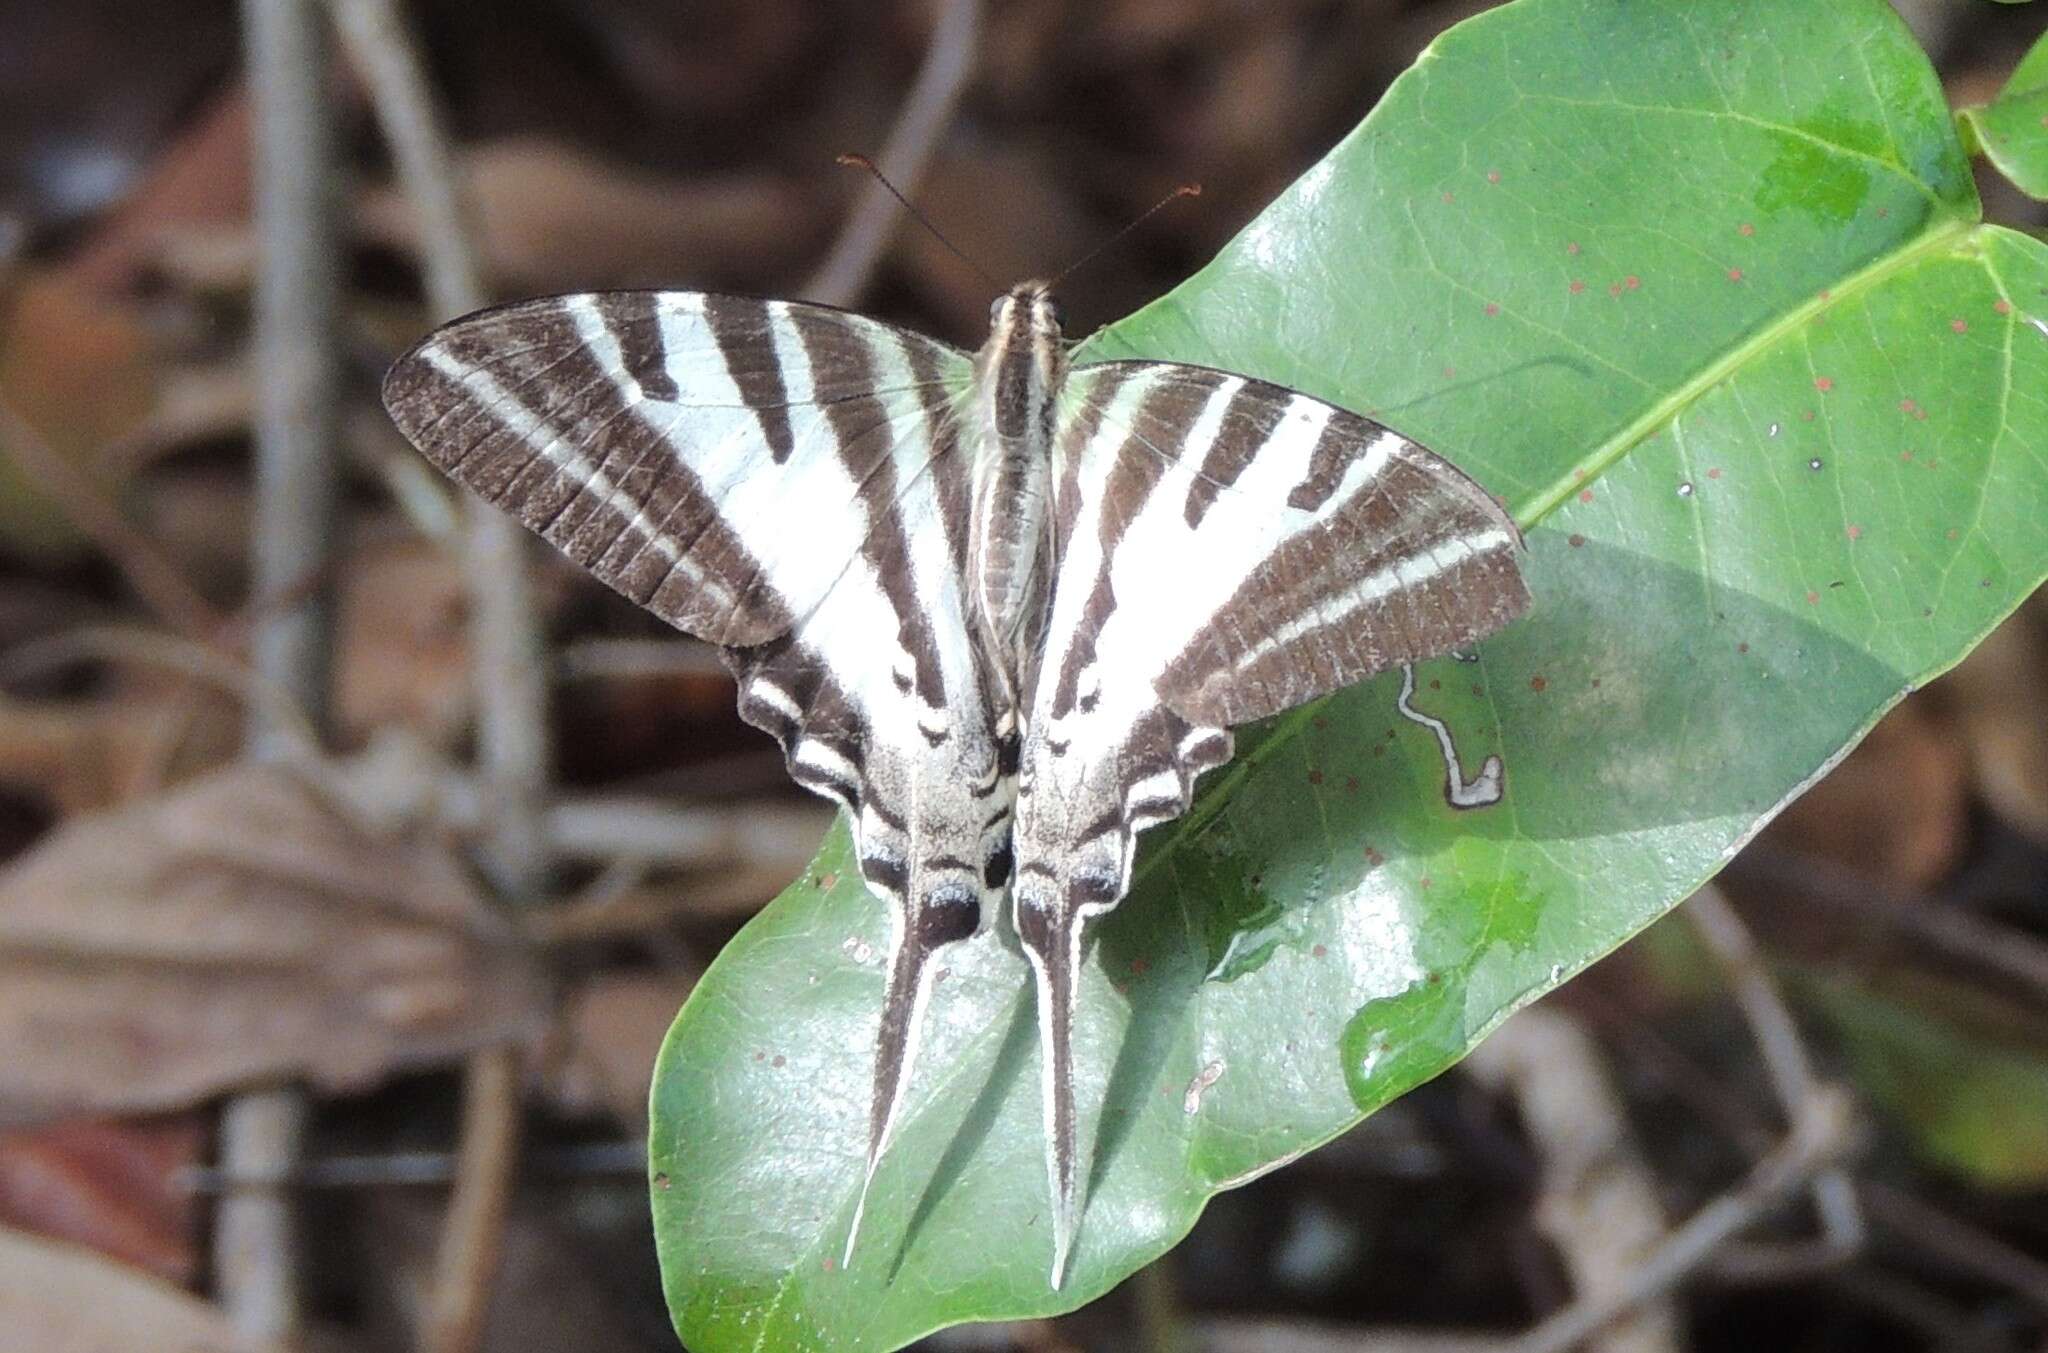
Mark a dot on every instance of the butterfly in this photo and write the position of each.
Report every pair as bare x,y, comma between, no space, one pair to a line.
1001,608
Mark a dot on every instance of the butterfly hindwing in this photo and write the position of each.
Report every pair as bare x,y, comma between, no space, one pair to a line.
1003,613
1225,549
786,481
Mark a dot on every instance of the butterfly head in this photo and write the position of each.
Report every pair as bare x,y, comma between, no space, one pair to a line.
1026,312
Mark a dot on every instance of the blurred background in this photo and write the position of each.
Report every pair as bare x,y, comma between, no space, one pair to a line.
191,917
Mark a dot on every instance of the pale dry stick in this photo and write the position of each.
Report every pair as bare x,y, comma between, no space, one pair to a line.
844,274
152,648
1821,1133
157,580
509,675
1597,1200
297,316
1785,1059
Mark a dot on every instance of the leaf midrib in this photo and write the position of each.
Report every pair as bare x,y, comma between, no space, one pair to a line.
1661,412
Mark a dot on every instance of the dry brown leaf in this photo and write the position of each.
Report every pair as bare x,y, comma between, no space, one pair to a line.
113,1187
55,1298
78,370
237,930
79,755
608,1035
552,216
403,643
2000,698
1896,807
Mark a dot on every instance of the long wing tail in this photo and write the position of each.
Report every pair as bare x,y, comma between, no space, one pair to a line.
1052,942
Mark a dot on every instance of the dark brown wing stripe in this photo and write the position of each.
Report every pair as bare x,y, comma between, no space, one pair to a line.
740,327
1248,421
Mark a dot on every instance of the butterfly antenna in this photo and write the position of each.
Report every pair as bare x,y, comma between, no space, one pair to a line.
854,161
1185,190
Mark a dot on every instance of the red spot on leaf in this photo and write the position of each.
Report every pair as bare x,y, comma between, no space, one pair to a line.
1813,598
1951,533
1614,290
1493,176
1576,287
1735,274
1435,685
1596,683
1907,406
1140,966
1374,857
1632,282
1450,372
1575,540
826,1263
1960,325
1491,310
779,1061
1855,531
1315,777
1351,784
1572,248
1426,883
2002,306
1806,416
1537,683
1742,648
1745,229
1826,295
1447,197
1319,951
1585,495
1822,384
1714,473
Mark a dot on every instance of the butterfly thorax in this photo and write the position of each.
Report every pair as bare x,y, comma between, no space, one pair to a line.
1018,374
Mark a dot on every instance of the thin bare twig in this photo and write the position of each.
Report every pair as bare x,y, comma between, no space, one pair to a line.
1598,1200
844,274
158,581
1819,1136
1785,1058
297,495
509,676
153,648
1952,930
1957,1245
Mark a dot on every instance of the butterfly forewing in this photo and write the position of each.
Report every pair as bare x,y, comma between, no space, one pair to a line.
1226,549
806,488
786,481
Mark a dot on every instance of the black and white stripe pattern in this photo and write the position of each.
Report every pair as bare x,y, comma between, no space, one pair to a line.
961,591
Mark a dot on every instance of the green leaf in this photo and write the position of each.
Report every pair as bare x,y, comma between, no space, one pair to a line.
1703,292
2012,129
1953,1066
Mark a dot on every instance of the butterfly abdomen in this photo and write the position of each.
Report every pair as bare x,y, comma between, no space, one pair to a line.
1018,375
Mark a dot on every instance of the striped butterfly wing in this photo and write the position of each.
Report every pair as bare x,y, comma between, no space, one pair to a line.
1226,549
786,481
